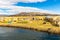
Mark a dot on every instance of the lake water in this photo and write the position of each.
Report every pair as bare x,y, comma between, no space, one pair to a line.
25,34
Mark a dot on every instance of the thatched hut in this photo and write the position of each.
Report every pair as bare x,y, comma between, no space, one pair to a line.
55,20
48,18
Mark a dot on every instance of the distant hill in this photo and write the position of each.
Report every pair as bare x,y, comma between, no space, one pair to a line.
32,14
35,14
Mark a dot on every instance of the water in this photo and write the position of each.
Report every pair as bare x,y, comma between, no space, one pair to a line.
24,34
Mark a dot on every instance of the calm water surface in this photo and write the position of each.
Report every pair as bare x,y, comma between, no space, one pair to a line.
24,34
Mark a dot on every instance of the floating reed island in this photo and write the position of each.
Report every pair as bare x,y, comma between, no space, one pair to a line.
49,24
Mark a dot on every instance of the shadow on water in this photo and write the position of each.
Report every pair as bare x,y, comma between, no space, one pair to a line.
24,34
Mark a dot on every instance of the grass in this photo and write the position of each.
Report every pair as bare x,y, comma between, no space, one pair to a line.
36,24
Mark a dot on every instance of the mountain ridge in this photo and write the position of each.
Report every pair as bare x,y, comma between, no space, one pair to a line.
32,14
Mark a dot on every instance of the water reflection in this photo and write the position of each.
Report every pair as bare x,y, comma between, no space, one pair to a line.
24,34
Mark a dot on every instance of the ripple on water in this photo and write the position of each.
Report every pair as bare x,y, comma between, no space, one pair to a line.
24,34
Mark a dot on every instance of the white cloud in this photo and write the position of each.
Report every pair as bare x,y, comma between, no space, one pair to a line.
8,4
15,1
32,1
7,7
17,9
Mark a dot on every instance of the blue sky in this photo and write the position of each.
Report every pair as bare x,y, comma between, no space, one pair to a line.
15,6
52,5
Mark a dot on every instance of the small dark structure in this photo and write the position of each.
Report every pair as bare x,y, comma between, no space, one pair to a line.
44,22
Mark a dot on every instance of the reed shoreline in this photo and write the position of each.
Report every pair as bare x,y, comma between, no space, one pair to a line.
53,30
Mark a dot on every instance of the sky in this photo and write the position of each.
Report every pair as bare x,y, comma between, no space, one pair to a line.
10,7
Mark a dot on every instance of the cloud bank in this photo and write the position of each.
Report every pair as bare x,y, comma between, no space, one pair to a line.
32,1
7,7
15,1
10,10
